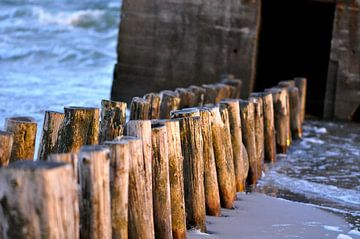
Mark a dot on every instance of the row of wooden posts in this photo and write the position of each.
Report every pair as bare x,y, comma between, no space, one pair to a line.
182,155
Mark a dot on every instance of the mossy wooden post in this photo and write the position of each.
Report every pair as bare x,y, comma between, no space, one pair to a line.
34,204
199,93
139,109
142,130
154,105
212,196
140,221
192,149
161,182
70,158
237,83
247,113
49,136
80,127
269,128
95,207
169,102
176,177
6,142
301,84
280,118
113,117
236,141
23,130
119,185
223,156
186,97
295,113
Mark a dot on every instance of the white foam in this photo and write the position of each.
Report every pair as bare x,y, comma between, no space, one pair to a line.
313,140
354,232
343,236
332,228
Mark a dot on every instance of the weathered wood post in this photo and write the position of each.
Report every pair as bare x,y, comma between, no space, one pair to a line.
169,102
210,93
295,113
286,85
140,208
70,158
223,155
142,130
237,83
248,134
154,102
223,91
95,207
301,84
186,97
119,185
34,204
6,142
80,127
269,128
49,136
233,109
212,196
192,149
161,182
113,116
139,109
23,130
199,93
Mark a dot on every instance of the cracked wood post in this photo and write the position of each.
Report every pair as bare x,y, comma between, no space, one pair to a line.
236,141
199,93
113,117
259,129
70,158
237,83
295,113
23,130
142,130
139,109
161,181
212,196
191,144
95,207
169,102
301,83
154,105
269,128
80,127
186,97
280,118
6,142
34,204
247,114
49,136
119,186
223,156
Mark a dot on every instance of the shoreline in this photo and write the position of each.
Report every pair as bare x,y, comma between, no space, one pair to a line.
257,215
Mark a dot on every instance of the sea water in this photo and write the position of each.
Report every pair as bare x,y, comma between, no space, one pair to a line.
56,53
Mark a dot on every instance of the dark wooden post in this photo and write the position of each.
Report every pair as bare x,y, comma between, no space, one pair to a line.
210,93
169,102
269,128
295,113
301,84
6,142
199,93
186,97
237,83
139,109
154,105
23,130
34,204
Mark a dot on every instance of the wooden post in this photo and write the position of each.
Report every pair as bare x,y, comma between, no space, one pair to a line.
186,112
113,117
169,102
269,128
223,92
176,159
237,83
186,97
34,204
154,102
223,156
233,109
6,143
80,127
295,113
212,196
70,158
140,209
23,130
210,93
142,130
49,136
248,134
301,84
246,162
191,144
139,109
280,116
160,180
119,185
286,85
95,207
199,93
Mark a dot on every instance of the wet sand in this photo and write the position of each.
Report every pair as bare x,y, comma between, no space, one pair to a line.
260,216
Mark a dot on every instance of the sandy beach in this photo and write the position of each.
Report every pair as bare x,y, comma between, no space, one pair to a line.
261,216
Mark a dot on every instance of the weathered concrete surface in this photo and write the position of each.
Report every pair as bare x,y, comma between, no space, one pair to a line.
343,84
164,44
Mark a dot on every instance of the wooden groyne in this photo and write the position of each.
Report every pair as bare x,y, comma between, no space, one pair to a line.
182,155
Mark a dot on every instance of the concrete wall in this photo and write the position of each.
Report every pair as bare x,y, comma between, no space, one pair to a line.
164,44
